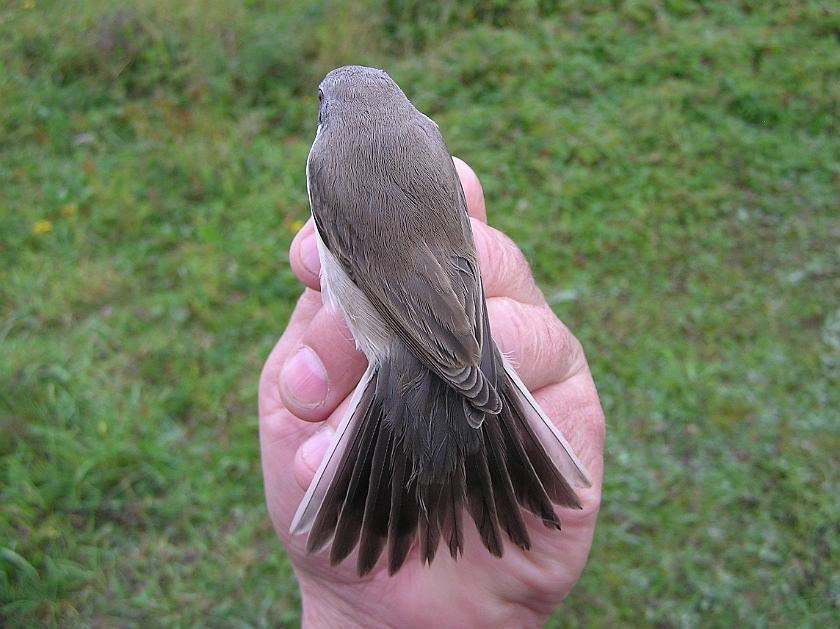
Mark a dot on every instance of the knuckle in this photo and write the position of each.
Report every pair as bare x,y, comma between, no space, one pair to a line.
504,268
540,347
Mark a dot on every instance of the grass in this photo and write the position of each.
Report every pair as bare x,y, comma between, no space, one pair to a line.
670,167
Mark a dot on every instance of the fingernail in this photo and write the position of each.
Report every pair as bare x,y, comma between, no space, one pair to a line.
312,451
309,255
305,378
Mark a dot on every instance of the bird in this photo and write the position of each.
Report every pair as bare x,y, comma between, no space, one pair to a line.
440,425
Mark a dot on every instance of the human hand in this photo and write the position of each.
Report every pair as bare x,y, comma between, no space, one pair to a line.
304,391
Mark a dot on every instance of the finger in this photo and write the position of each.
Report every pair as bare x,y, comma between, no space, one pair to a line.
321,369
311,452
472,190
303,256
307,307
541,349
504,269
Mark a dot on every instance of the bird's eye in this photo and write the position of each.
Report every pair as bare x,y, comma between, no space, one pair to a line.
320,95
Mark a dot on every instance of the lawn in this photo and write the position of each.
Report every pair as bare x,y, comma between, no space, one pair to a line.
671,169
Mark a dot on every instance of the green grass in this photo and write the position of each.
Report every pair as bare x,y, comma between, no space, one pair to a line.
670,167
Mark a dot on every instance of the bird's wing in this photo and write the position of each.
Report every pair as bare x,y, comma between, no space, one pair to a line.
398,226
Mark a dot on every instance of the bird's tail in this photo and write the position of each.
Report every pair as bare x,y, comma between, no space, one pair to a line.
405,464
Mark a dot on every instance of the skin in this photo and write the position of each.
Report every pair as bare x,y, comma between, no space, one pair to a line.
303,393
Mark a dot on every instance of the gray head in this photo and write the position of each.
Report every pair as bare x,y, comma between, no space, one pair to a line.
366,93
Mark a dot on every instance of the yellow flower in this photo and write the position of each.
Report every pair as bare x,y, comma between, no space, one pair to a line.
41,227
68,209
28,4
50,532
295,226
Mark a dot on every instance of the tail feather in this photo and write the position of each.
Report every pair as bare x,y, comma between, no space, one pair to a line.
403,518
351,517
544,432
323,503
527,484
453,497
374,526
507,505
432,503
481,502
534,459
